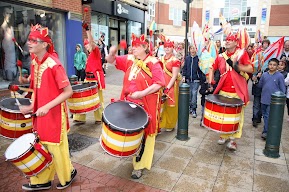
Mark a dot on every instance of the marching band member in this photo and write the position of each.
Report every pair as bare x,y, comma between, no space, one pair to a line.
51,88
142,83
171,65
233,82
94,73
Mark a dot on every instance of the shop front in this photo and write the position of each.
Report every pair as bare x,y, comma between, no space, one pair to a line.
16,18
116,21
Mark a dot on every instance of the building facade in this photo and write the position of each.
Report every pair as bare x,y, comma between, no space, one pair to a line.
116,20
268,16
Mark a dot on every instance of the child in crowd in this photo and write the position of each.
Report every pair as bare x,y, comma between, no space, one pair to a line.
270,82
281,68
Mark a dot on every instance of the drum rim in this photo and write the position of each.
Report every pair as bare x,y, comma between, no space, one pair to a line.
34,141
84,89
11,110
224,104
121,129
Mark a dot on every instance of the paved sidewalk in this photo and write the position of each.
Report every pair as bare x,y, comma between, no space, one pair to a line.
199,164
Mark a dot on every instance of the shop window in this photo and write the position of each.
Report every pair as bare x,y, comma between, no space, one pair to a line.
99,26
15,21
253,21
216,21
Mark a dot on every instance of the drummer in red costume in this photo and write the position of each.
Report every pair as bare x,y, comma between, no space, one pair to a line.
94,73
142,82
233,81
171,65
51,88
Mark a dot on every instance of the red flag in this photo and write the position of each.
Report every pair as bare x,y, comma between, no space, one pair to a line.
273,51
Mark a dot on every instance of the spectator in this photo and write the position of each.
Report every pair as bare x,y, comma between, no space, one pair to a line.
80,63
287,94
285,54
219,47
191,75
103,51
270,82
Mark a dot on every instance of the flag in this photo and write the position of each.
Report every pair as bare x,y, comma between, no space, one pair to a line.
273,51
226,26
258,36
197,38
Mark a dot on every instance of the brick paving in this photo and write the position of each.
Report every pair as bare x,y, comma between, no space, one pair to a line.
87,180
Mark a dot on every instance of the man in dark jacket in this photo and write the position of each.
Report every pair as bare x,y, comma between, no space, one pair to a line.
191,75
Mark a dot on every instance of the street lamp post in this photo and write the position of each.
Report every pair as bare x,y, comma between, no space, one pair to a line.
187,24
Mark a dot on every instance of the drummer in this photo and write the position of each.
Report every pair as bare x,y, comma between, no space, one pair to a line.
171,65
233,81
94,73
142,82
49,106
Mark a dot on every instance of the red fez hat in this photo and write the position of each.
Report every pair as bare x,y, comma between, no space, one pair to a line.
136,41
232,37
41,33
167,42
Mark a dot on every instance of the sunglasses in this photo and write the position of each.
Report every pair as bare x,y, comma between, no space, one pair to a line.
34,41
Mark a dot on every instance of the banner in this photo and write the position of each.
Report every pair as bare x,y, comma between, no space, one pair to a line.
264,15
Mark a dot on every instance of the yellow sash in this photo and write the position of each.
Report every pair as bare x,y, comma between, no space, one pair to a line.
244,74
168,72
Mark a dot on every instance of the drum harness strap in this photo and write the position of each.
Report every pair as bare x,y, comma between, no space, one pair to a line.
169,72
230,63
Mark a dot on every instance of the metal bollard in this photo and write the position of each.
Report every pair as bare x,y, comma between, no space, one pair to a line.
183,112
275,122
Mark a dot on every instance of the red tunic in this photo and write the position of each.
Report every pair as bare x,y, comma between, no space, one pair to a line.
169,64
48,78
136,79
231,81
94,65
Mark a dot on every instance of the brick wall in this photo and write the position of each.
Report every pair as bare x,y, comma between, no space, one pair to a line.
67,5
279,15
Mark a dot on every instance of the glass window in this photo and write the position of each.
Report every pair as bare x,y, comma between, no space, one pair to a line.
216,21
99,26
15,21
133,27
253,21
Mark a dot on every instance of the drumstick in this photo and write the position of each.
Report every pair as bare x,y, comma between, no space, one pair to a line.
14,40
19,64
26,89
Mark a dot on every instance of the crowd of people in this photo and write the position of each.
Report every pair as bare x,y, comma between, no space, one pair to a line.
151,80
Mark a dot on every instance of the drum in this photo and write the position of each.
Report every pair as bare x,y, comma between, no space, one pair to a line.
28,155
84,98
13,123
20,93
222,114
123,128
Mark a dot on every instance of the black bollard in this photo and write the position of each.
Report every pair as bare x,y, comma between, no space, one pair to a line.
183,112
275,122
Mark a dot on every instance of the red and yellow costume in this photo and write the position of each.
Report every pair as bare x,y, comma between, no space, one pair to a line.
139,75
94,73
232,84
169,114
48,78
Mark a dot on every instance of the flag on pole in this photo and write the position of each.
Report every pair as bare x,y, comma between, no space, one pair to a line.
273,51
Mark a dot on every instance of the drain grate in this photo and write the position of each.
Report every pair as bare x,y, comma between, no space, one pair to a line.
79,142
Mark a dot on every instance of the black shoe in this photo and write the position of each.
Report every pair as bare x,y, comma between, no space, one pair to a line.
264,136
255,124
37,187
73,174
258,121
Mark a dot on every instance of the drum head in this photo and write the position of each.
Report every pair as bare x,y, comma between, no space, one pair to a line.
224,101
20,146
125,116
9,104
84,86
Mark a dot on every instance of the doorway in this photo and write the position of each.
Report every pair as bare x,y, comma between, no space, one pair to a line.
113,37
